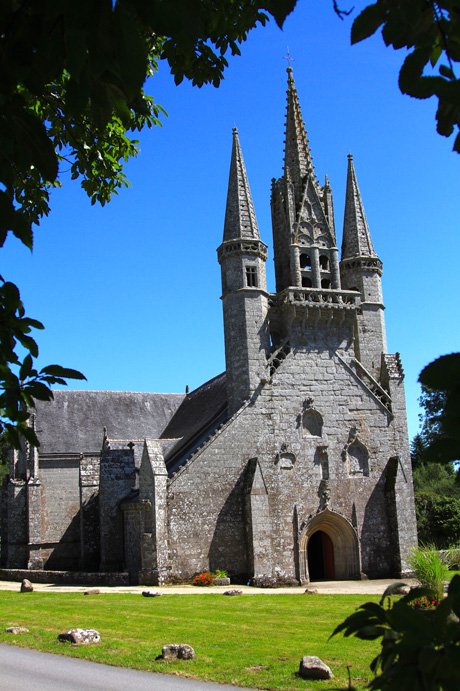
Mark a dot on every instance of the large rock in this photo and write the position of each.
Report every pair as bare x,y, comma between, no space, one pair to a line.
26,586
178,651
221,581
80,636
233,592
16,629
151,593
311,667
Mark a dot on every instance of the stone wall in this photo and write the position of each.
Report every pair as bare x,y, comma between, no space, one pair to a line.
65,577
60,525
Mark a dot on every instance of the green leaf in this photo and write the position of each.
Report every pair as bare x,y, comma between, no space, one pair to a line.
64,372
368,22
280,9
26,368
412,69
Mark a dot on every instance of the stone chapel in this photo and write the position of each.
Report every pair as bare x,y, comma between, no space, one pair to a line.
291,466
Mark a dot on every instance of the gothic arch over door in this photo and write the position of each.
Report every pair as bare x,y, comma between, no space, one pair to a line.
340,533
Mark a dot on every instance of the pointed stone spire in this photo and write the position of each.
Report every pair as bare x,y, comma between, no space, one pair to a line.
297,156
240,217
356,236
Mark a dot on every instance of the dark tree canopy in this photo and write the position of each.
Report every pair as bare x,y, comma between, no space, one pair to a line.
72,78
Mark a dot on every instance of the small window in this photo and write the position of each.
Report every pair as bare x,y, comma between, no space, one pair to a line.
251,277
306,282
324,262
305,261
325,283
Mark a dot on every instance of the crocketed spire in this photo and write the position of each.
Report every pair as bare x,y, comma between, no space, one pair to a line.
297,156
356,236
240,217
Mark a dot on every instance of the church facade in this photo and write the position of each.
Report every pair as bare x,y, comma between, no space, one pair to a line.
291,466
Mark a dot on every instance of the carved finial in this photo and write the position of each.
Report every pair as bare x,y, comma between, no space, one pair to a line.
105,441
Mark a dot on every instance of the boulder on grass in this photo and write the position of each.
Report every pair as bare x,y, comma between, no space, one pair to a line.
177,651
26,586
233,592
221,581
16,629
93,591
80,636
150,593
311,667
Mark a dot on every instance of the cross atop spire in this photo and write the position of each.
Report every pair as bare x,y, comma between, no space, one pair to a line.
356,235
288,58
240,217
297,156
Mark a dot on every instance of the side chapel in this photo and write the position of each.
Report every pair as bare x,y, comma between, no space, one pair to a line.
293,465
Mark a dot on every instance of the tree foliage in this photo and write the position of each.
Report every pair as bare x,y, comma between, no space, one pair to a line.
72,93
438,519
430,31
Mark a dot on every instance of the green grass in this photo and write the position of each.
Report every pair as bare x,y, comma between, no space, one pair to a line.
255,641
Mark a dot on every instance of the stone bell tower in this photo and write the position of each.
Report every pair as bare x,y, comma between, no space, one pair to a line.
242,257
361,270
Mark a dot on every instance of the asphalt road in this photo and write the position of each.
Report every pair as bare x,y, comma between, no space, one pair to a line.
28,669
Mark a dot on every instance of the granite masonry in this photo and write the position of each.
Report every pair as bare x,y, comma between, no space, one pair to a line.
291,466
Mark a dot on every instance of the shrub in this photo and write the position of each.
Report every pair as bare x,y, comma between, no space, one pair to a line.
206,578
430,569
420,647
220,573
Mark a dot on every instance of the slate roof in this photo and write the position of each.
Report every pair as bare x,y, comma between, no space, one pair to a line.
74,421
199,414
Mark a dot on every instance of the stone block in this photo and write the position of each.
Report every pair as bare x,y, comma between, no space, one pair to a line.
312,667
80,636
177,651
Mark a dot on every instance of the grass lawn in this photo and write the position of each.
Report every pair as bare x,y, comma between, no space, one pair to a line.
255,641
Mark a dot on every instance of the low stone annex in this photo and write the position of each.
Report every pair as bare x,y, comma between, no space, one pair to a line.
291,466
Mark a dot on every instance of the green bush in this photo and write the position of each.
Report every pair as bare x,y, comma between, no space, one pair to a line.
420,647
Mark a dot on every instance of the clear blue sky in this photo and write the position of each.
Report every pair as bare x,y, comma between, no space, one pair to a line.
129,294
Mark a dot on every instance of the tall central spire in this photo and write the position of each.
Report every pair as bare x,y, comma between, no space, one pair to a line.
297,158
240,217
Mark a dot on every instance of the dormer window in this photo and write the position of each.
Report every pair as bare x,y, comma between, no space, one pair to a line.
251,276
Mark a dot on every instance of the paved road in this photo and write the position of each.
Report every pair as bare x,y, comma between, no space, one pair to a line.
28,669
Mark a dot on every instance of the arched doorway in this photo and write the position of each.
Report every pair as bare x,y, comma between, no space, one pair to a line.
320,556
328,549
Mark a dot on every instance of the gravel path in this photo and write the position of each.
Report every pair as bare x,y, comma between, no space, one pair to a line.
365,587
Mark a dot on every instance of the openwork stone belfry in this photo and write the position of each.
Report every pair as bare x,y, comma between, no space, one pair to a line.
291,466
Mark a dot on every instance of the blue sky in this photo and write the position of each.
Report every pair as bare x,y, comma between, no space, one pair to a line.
129,294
